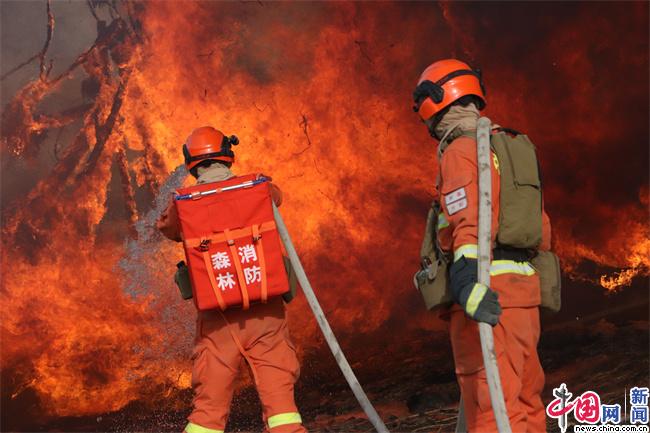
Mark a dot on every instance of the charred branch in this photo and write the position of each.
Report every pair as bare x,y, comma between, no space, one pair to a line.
21,126
18,67
127,189
66,117
44,70
103,130
91,5
150,179
49,185
134,26
56,144
304,123
109,37
23,130
112,9
152,160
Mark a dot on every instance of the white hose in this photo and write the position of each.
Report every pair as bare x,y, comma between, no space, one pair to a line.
361,396
484,260
461,422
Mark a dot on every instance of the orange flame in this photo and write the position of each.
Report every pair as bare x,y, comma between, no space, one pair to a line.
638,263
328,118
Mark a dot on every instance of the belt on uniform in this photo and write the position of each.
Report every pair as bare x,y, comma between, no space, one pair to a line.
514,254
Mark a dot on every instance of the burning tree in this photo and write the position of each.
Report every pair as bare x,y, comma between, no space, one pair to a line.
80,354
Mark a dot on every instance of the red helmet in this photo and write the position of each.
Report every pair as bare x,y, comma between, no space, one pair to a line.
444,82
208,143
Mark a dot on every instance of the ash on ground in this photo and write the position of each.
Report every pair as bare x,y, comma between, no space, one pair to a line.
412,384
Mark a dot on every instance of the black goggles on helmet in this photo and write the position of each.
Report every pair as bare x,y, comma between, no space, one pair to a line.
435,91
226,150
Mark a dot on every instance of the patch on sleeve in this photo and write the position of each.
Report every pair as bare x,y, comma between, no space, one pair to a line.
454,196
456,206
456,201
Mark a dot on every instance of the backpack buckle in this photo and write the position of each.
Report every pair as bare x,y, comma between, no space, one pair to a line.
204,245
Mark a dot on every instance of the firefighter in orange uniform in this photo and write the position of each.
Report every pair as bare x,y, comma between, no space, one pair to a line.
258,336
448,98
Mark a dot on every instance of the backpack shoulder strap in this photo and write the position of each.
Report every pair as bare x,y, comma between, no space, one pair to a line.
508,131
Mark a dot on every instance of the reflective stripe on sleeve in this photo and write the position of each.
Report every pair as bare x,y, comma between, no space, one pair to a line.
470,251
475,298
442,221
500,267
195,428
283,419
497,267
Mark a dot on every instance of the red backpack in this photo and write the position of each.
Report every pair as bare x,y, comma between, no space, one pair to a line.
232,246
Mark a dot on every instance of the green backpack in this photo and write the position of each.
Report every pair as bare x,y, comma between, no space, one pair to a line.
520,222
520,200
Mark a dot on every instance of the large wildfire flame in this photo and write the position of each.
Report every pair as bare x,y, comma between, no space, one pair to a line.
319,96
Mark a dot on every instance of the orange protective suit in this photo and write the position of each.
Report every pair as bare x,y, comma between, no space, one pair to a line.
225,340
517,333
264,337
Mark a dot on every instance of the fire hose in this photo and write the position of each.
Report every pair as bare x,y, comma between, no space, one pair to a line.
324,325
484,260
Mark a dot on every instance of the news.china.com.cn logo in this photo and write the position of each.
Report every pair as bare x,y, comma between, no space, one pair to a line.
588,410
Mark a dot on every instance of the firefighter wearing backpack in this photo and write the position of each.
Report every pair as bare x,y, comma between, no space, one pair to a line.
226,339
448,98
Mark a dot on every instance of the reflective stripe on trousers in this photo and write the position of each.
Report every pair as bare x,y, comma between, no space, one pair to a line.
283,419
195,428
497,267
273,421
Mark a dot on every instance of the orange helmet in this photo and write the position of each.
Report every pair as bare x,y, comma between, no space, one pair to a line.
444,82
208,143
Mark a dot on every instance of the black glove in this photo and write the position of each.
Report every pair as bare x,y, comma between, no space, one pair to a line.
481,304
479,301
